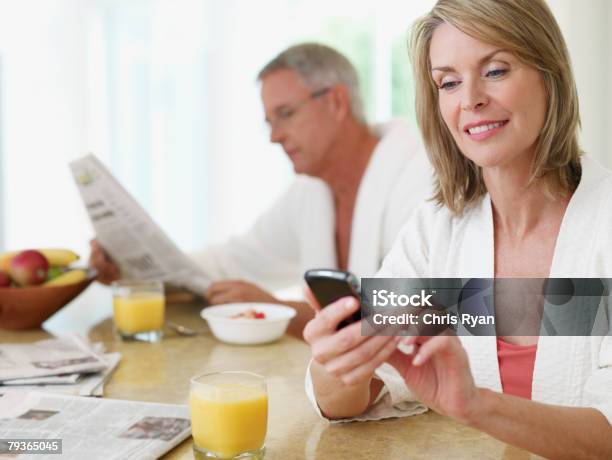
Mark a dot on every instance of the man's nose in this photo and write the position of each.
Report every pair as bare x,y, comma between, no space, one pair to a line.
277,135
474,96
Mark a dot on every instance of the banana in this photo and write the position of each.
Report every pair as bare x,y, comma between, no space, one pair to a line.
70,277
59,257
55,257
5,260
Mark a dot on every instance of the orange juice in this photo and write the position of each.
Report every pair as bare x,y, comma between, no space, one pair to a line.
139,312
229,418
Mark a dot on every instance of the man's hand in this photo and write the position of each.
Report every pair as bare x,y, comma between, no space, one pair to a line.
106,268
237,291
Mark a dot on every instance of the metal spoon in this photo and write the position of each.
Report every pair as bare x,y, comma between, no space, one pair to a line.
182,330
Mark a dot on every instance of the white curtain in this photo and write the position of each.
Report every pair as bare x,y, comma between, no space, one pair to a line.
43,115
587,29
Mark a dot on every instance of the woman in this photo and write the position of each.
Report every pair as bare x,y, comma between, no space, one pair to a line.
497,107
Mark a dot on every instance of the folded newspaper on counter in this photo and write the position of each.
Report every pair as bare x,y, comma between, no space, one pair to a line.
69,365
130,236
91,428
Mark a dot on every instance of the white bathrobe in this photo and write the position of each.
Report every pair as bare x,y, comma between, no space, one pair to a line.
298,231
570,371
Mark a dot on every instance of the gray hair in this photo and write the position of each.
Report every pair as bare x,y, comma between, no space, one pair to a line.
319,66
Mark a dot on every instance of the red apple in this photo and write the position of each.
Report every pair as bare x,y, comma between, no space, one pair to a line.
29,268
5,280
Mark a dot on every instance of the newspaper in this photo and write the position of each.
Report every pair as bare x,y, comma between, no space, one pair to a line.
90,384
52,357
133,240
92,428
50,380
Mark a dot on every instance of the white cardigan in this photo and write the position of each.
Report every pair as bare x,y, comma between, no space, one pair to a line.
298,231
571,371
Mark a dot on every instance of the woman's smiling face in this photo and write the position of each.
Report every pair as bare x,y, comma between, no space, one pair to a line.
493,104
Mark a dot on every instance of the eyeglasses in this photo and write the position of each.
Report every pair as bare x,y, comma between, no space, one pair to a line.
284,113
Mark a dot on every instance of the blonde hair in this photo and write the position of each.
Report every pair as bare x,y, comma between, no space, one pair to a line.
528,29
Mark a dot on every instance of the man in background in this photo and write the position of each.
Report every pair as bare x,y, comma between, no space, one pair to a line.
355,186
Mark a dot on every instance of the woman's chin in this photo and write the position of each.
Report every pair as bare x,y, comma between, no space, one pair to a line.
487,159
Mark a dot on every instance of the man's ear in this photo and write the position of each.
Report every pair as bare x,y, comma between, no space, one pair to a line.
340,102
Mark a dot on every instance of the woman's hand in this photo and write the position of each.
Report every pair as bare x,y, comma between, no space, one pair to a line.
344,361
437,372
345,354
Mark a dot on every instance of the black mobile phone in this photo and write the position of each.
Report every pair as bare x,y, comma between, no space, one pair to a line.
329,285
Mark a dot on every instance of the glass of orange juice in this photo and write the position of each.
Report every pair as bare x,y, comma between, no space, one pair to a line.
229,415
138,309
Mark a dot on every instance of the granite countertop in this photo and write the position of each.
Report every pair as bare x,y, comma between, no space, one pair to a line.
161,372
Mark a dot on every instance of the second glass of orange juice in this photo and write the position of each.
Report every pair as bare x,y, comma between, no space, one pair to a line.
229,415
138,309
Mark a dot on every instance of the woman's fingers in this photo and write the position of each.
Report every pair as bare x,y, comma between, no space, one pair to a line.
366,370
329,346
344,363
330,316
326,321
310,298
347,354
401,361
431,347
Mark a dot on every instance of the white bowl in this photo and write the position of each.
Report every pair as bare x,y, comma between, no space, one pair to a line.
245,331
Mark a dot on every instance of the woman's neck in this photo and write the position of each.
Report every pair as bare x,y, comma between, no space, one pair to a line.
519,207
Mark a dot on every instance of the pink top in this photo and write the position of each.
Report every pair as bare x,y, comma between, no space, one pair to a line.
516,367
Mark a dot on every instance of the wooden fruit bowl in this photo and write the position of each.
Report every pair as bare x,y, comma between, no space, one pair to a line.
29,307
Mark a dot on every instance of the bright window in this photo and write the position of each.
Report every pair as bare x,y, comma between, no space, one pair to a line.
164,92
